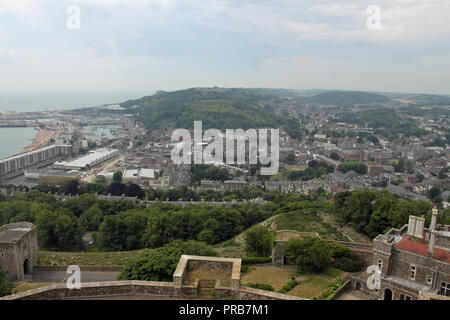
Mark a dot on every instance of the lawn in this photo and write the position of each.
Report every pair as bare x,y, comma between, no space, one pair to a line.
88,259
332,272
310,288
276,277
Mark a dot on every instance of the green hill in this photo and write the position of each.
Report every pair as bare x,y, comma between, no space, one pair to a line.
216,107
345,98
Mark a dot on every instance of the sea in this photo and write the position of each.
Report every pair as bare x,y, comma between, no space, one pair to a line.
14,140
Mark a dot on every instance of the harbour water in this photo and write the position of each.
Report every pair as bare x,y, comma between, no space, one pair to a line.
14,140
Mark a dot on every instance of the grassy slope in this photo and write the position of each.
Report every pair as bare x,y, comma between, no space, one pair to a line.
308,222
88,259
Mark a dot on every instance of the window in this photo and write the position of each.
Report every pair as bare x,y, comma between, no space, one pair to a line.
380,264
402,297
429,280
445,289
413,272
407,298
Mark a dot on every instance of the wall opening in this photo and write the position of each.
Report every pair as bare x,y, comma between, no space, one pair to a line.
388,294
25,267
358,286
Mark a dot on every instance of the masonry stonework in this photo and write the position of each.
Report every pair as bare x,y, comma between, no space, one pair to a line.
18,249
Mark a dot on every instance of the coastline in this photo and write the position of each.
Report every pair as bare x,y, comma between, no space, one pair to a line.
41,137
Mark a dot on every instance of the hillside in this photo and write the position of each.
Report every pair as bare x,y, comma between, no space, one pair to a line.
422,99
217,108
387,119
345,98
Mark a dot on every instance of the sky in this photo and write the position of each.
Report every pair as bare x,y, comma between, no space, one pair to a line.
118,46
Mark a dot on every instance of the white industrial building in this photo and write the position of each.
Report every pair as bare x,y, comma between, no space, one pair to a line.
90,160
139,175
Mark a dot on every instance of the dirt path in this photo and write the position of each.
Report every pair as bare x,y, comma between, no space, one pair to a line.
351,233
270,223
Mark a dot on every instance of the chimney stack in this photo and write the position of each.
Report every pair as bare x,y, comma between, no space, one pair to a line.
434,215
416,227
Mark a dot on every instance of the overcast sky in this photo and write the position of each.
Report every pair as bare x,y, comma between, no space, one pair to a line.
146,45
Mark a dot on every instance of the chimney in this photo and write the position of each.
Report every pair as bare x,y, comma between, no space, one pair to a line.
416,227
434,215
411,226
420,226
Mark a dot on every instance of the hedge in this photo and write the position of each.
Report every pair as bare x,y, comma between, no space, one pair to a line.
256,260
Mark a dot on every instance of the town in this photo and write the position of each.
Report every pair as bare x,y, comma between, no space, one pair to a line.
333,159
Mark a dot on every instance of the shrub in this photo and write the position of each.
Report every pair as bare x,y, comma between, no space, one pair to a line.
256,260
289,286
331,289
261,286
158,265
6,286
193,247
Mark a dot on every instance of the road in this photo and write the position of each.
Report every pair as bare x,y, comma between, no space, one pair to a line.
86,276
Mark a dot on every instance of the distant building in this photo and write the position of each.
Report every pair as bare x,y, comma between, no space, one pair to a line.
33,158
211,185
93,158
374,170
232,185
140,175
51,176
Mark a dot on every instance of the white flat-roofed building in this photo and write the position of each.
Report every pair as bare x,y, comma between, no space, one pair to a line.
131,175
138,175
147,173
92,159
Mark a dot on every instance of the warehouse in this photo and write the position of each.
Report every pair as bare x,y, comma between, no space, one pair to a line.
90,160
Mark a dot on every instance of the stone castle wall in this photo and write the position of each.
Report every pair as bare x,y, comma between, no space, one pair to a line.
14,254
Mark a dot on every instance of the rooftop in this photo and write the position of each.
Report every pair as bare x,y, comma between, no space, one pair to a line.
91,158
11,235
408,244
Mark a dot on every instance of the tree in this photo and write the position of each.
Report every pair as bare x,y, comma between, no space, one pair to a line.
290,158
434,193
158,265
71,187
68,233
356,166
6,286
133,190
335,156
116,188
192,247
123,231
59,230
420,177
117,177
308,253
258,241
92,218
443,173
